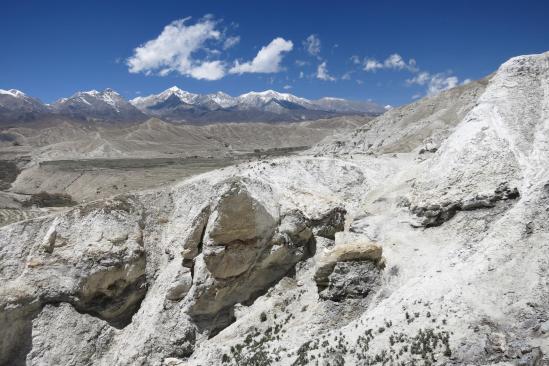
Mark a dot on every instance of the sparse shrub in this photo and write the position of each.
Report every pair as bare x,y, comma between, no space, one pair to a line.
45,199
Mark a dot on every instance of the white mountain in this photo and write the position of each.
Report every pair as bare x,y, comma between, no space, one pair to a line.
260,99
13,92
93,104
224,100
152,100
16,105
178,105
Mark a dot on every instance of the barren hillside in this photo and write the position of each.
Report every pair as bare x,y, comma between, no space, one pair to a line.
419,239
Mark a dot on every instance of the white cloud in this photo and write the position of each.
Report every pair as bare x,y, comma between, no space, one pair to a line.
412,65
466,81
312,45
231,42
301,63
174,50
372,65
355,59
435,82
301,74
346,76
440,82
322,72
421,78
267,59
393,62
209,70
287,87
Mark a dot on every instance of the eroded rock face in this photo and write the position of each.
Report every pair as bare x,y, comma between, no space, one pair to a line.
231,260
179,288
436,214
348,270
237,215
59,331
237,232
114,293
93,259
352,280
247,247
329,223
260,238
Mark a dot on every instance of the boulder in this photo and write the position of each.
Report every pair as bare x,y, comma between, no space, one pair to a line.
357,251
237,215
62,336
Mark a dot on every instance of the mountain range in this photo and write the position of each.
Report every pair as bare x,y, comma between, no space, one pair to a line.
179,106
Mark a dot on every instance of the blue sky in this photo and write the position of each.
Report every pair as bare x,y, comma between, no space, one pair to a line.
387,51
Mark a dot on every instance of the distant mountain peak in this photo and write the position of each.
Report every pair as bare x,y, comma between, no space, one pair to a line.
105,105
177,105
174,89
93,92
269,93
13,92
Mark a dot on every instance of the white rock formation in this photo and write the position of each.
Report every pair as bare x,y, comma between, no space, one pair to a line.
421,239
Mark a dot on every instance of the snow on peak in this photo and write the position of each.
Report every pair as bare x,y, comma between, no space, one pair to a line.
90,97
13,92
110,91
90,92
222,99
333,98
184,96
174,89
268,95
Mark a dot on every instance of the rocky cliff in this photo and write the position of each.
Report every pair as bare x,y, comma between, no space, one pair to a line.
420,238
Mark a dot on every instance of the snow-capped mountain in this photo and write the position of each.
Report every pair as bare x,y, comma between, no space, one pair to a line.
211,101
155,99
261,99
103,105
16,106
177,105
223,100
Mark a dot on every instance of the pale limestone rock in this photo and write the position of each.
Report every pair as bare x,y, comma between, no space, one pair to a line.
62,336
345,252
237,216
119,277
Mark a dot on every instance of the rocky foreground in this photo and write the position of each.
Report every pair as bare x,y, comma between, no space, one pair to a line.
419,239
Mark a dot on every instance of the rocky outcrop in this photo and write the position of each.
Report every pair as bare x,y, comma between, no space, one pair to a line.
247,265
92,260
436,214
59,331
351,280
348,270
247,246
